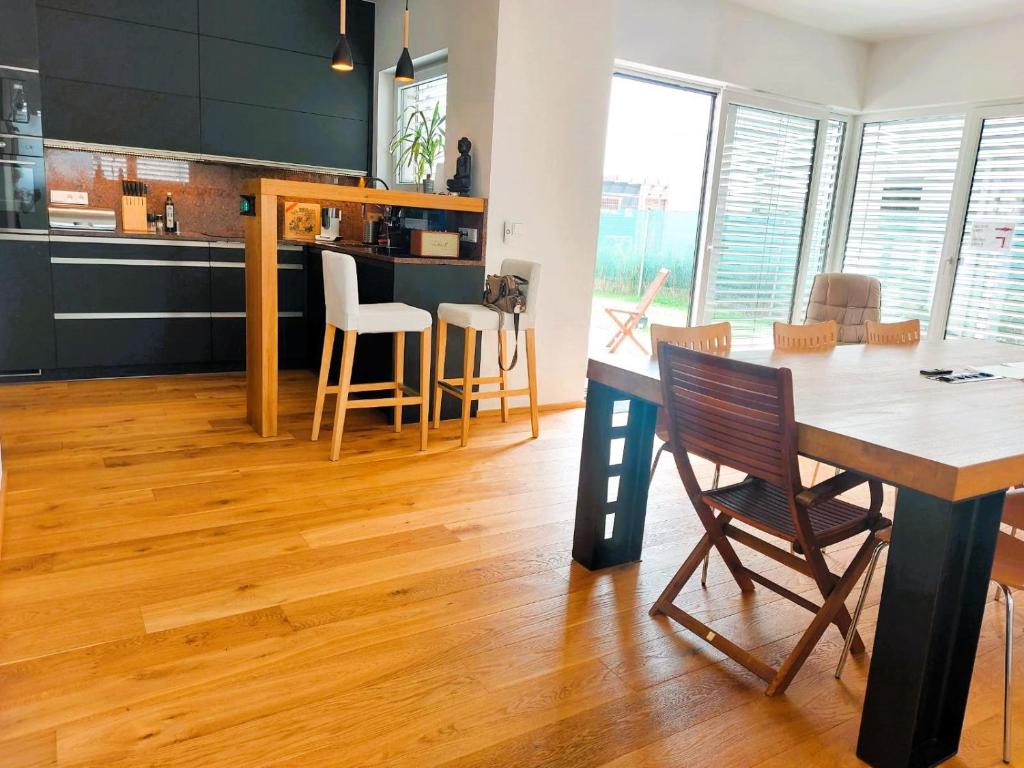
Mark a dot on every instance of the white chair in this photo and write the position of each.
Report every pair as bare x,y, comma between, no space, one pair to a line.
345,313
473,318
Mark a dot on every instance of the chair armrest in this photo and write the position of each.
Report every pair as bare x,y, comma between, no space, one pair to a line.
832,487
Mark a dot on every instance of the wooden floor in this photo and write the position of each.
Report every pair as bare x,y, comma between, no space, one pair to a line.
175,591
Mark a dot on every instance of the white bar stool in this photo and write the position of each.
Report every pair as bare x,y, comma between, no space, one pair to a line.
345,313
473,318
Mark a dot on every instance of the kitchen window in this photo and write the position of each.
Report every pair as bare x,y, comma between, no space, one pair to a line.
423,95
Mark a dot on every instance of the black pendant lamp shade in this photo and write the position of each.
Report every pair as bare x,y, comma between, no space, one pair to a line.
342,59
404,72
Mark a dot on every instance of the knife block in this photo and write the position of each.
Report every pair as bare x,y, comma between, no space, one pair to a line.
133,214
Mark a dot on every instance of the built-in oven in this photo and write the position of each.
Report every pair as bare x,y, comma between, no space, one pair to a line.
22,184
22,170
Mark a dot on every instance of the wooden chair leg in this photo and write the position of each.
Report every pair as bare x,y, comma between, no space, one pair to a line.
348,354
442,345
399,377
321,387
531,372
468,359
424,387
503,359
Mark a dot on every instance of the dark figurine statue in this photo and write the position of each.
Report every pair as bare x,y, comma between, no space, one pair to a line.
463,169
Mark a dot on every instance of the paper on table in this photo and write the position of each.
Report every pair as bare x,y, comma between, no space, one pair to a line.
1006,370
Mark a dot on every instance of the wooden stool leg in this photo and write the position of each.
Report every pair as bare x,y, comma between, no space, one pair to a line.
442,344
348,354
321,387
468,359
531,372
424,387
399,377
503,359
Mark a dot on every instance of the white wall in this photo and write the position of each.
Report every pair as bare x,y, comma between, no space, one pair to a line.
717,40
977,63
468,30
554,68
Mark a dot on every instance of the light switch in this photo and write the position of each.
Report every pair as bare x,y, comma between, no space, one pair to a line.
513,229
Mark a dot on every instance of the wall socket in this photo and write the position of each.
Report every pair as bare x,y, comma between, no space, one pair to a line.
469,234
513,229
69,198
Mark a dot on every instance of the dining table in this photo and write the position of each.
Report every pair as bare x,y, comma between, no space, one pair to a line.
951,449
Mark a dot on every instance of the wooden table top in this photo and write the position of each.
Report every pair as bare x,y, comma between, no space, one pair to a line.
867,408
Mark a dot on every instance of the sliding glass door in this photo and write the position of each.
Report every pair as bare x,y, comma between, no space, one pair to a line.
988,291
656,159
762,197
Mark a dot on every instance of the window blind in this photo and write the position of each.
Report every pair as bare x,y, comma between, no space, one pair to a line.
900,208
824,209
762,200
988,292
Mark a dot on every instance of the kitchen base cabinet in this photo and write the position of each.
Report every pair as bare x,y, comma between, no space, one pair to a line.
26,305
101,343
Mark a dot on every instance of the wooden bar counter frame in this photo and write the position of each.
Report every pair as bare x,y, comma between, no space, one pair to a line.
261,239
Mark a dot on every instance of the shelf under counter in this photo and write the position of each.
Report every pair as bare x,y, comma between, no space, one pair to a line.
372,252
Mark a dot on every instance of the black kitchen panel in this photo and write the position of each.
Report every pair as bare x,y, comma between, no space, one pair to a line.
307,26
26,306
104,114
171,14
229,341
117,53
271,77
89,248
135,341
18,41
107,288
227,288
240,130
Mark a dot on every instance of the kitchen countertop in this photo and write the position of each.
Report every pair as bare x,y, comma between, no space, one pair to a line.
357,250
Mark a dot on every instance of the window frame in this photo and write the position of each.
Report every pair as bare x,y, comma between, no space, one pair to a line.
426,75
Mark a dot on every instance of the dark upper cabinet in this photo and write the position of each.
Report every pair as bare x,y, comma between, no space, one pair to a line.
105,114
26,306
279,79
182,15
18,46
241,130
104,51
306,26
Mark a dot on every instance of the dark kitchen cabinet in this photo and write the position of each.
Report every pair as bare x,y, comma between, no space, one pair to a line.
151,310
182,15
26,306
242,130
306,26
18,45
227,296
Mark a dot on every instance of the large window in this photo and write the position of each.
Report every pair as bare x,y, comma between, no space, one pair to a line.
423,96
821,227
988,294
900,210
764,185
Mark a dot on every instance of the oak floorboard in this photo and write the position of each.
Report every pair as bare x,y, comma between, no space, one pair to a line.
175,591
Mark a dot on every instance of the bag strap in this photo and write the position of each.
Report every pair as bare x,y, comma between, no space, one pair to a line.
501,327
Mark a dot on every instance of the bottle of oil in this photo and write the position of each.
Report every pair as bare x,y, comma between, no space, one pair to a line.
170,220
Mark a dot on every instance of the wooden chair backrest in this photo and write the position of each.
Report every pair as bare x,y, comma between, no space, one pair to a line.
906,332
715,339
806,338
653,290
729,412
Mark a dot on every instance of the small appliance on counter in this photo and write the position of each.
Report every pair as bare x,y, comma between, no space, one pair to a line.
330,224
80,217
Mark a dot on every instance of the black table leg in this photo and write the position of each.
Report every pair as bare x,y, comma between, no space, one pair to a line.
933,599
611,503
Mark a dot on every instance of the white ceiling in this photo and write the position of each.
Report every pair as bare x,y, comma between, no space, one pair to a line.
874,20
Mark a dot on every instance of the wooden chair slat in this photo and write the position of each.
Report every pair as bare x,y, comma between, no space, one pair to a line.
905,332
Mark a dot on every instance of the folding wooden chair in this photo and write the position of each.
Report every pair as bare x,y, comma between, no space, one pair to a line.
740,415
630,318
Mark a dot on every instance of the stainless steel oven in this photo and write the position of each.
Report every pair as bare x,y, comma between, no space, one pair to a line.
22,170
22,184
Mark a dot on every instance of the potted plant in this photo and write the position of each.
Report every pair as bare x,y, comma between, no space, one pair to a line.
419,142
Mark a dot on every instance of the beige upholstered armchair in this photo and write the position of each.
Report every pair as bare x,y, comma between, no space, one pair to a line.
851,300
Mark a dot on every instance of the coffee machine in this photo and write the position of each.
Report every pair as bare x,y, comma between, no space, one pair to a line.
330,224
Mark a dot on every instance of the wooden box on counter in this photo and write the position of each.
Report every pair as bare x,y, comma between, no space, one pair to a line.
438,244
